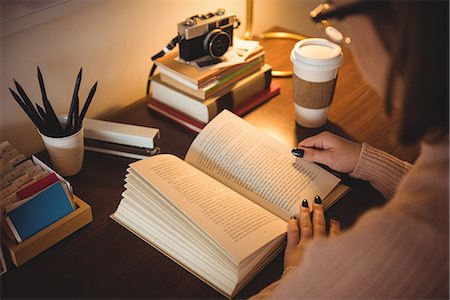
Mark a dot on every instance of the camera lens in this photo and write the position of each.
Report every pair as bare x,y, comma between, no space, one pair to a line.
216,43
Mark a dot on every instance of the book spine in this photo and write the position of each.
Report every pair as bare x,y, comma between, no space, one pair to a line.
246,106
213,87
191,75
232,78
257,60
240,93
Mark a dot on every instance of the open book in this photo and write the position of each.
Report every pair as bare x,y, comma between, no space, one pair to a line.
222,212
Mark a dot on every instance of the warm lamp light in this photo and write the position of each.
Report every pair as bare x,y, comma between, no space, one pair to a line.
269,35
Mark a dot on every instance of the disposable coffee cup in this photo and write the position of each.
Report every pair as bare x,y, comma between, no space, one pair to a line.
66,153
315,63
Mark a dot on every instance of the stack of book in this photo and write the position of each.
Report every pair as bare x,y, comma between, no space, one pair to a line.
192,96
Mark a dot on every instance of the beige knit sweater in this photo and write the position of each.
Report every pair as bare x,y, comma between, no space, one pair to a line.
398,251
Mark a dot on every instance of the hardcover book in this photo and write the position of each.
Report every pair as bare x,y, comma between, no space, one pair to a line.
221,213
196,126
205,110
215,85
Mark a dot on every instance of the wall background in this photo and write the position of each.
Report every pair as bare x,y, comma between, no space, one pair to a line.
113,41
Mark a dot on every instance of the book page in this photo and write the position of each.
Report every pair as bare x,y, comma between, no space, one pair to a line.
238,225
257,166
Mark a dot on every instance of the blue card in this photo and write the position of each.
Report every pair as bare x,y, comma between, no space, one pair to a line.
42,210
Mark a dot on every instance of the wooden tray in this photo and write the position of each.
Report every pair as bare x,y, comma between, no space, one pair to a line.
47,237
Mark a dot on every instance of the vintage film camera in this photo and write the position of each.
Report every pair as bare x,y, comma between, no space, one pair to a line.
210,34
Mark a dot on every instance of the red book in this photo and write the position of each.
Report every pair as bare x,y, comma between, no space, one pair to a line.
33,188
196,126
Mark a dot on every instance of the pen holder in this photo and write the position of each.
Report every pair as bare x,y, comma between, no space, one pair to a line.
66,153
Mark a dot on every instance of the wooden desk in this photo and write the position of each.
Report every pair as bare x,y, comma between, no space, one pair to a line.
104,260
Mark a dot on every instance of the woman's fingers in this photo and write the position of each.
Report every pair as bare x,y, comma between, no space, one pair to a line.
300,231
294,249
319,224
293,236
331,150
306,230
335,227
313,155
321,141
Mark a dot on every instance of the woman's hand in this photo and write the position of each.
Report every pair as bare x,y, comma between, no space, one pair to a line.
299,232
331,150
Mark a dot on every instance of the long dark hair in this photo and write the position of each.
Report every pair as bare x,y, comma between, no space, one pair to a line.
416,34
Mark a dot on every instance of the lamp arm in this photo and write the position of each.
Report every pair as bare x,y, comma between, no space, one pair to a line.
249,21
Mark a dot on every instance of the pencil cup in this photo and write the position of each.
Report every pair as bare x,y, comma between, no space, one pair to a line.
66,153
315,63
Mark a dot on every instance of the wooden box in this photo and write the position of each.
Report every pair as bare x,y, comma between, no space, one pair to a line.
47,237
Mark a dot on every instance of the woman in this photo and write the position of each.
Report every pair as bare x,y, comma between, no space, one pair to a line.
400,250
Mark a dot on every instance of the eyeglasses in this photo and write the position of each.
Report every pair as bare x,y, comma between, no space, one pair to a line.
325,11
317,15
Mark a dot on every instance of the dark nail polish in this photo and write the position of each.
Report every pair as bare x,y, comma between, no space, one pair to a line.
305,203
293,218
334,218
298,152
317,199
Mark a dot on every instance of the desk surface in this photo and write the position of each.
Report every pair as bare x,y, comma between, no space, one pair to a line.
104,260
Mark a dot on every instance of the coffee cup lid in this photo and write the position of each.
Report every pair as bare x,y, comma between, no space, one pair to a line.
318,52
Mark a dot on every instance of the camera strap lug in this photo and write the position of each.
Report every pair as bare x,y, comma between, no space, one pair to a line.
172,44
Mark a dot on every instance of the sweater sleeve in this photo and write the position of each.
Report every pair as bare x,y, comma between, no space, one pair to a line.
381,257
382,170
